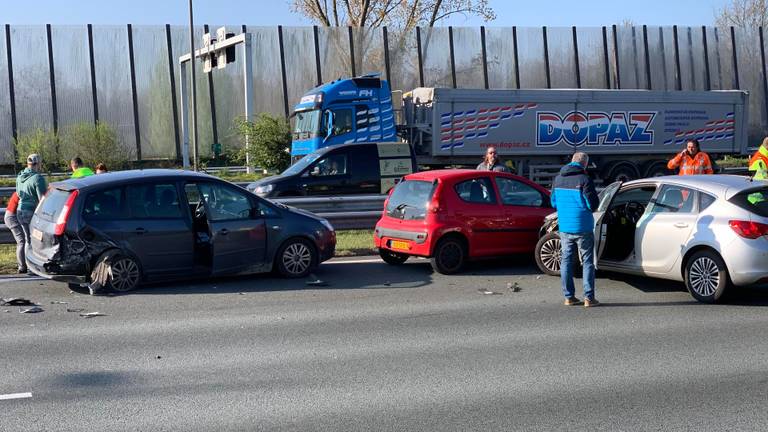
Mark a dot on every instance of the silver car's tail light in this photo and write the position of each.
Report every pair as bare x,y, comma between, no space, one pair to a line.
748,229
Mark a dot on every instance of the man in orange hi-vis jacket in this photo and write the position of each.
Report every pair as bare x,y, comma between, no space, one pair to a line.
692,160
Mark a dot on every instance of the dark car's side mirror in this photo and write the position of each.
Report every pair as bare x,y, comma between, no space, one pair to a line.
256,212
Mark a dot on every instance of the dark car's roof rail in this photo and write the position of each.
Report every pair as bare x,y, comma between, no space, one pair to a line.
118,177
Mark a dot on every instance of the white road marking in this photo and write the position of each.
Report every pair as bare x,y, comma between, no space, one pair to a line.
21,279
15,396
360,261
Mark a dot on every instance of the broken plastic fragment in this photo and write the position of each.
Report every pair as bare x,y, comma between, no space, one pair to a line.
16,301
75,310
33,309
513,286
59,302
92,314
488,292
317,283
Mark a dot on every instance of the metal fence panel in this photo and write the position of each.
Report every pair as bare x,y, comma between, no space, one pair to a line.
74,100
180,44
6,131
468,55
300,68
715,60
403,60
32,84
113,82
662,74
562,58
334,53
267,81
229,95
591,57
530,44
751,79
698,70
725,52
631,57
500,55
369,51
435,52
153,89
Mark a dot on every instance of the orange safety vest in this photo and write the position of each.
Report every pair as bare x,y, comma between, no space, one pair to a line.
699,164
759,163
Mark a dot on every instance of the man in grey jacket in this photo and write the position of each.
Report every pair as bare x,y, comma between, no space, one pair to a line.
491,162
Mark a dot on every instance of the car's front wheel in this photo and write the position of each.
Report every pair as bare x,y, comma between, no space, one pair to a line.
449,256
392,258
548,254
296,258
706,276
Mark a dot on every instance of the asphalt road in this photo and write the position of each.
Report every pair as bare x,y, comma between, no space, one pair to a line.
383,348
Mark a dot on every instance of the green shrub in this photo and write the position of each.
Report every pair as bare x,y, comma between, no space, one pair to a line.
42,142
270,141
94,145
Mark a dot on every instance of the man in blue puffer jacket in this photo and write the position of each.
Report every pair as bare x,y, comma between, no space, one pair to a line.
575,198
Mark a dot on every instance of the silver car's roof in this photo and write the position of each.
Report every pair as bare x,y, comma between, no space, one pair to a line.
723,185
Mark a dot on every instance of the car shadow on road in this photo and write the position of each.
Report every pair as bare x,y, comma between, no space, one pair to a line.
336,276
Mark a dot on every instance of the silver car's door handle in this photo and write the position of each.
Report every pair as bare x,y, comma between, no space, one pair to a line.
681,225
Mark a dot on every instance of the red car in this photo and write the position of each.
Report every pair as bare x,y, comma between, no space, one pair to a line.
452,216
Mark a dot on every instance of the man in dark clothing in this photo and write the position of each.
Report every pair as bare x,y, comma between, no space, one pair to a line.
575,198
491,162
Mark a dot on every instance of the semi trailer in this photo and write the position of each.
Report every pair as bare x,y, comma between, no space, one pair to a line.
628,133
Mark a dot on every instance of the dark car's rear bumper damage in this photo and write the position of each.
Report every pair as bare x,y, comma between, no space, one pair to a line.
72,270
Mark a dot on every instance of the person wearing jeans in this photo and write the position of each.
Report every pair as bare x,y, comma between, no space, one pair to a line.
575,198
12,222
30,186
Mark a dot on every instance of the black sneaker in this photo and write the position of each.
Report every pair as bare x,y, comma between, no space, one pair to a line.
23,271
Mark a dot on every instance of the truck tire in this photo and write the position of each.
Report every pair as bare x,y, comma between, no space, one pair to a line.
622,172
656,169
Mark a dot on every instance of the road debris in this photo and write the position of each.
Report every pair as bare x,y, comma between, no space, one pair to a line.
317,283
33,309
538,277
387,283
92,314
75,310
16,301
488,292
59,302
513,286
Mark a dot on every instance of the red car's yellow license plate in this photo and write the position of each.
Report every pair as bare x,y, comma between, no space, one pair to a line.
396,244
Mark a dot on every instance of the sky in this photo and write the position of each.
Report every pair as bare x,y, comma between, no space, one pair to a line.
274,12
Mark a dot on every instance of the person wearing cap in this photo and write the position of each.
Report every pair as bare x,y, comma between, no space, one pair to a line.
79,169
30,186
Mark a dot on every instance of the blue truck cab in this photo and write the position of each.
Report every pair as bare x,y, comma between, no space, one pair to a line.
348,110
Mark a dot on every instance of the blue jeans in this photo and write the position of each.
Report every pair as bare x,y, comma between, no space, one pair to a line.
586,247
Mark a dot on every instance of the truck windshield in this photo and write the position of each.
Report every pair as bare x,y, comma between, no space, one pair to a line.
409,199
307,124
302,163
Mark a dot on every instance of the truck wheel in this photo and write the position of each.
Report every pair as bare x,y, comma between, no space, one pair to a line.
392,258
449,255
622,172
656,169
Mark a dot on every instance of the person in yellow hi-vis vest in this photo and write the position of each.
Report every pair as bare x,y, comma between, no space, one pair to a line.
759,161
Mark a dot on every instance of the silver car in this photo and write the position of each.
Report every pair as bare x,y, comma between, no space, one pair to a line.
708,231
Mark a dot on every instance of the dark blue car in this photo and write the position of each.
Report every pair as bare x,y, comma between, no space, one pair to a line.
151,225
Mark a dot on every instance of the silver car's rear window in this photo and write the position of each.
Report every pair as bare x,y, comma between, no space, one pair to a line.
753,200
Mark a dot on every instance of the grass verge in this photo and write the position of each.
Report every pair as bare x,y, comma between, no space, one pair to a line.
348,243
354,243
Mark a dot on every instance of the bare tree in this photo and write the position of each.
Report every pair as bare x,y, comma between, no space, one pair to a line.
401,15
749,14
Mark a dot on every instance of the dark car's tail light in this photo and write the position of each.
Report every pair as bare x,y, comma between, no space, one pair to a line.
748,229
61,221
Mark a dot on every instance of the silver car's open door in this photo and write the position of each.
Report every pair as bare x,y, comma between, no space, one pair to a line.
606,196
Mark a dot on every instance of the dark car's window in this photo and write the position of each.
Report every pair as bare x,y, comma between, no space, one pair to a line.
517,193
332,165
155,201
705,200
479,191
409,199
103,205
266,210
225,203
673,199
53,204
302,163
753,200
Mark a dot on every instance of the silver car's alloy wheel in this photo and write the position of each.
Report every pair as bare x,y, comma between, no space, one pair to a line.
124,274
551,254
297,258
704,276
